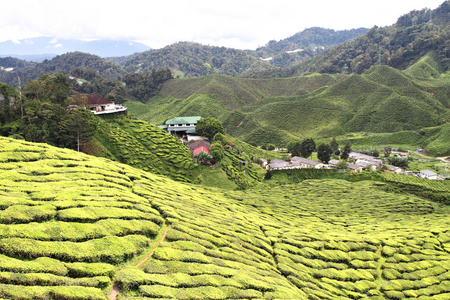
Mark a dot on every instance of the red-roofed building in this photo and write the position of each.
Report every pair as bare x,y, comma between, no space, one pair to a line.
199,146
99,105
200,149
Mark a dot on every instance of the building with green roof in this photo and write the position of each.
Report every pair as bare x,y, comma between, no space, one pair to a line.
181,126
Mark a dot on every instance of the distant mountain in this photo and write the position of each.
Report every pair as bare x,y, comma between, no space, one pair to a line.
40,48
398,46
304,45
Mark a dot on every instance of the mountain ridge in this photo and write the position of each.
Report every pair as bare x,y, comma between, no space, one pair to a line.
51,47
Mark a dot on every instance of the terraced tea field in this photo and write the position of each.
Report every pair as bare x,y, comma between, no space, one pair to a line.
73,224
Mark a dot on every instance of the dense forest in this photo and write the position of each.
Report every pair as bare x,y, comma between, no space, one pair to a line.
304,45
398,46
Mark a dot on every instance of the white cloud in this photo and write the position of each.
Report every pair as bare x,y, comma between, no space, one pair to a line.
58,45
232,23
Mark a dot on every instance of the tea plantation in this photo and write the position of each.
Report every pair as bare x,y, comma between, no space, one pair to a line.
72,224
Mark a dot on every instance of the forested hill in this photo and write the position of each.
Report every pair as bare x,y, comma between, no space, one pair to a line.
305,45
193,60
398,46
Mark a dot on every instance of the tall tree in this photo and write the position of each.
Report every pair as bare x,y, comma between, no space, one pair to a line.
334,145
307,147
77,129
324,153
346,151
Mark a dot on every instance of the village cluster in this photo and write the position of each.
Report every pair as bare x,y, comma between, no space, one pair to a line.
360,162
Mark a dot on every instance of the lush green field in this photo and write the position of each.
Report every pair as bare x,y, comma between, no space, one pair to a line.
71,224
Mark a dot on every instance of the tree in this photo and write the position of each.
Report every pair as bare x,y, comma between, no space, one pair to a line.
209,127
307,147
324,152
203,158
220,138
216,150
270,147
346,151
77,129
399,161
296,149
341,165
387,151
334,145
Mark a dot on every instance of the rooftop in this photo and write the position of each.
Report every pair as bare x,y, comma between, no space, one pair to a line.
183,120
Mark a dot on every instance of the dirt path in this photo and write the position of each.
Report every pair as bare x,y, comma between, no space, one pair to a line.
115,290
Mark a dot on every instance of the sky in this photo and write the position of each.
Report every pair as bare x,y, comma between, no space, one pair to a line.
240,24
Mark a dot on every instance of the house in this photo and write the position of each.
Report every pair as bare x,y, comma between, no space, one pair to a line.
181,126
278,164
333,162
307,163
295,163
365,160
355,168
428,174
100,106
199,146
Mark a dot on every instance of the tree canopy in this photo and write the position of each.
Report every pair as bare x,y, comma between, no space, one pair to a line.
307,147
209,127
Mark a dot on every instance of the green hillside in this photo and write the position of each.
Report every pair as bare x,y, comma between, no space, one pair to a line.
142,145
216,95
72,224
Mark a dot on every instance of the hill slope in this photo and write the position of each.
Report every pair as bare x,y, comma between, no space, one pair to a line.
71,223
216,95
381,100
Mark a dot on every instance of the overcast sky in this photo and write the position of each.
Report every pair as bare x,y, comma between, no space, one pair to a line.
242,24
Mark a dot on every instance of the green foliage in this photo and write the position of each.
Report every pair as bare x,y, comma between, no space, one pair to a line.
324,152
208,127
144,86
216,150
346,151
398,161
307,147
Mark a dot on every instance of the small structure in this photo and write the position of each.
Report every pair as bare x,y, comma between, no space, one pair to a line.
181,126
397,170
100,106
199,146
428,174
